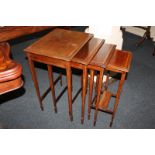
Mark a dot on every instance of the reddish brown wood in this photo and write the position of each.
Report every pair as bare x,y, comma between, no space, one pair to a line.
34,77
84,86
10,71
99,87
91,83
104,101
69,84
58,48
85,55
81,60
119,62
98,63
8,86
96,86
107,80
103,55
12,32
51,79
60,44
118,96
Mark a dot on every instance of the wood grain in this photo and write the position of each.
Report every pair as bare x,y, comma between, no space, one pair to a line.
120,61
88,51
103,55
12,32
60,44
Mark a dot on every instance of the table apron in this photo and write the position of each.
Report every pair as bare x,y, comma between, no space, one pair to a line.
49,61
77,65
96,68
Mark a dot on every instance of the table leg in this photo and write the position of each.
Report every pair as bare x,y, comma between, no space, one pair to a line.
84,87
107,80
96,87
91,83
118,96
99,87
81,83
69,85
34,77
50,75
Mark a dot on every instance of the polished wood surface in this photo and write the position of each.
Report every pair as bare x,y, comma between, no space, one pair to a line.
69,49
85,55
57,49
98,63
8,86
12,32
4,55
104,101
10,71
81,60
120,61
117,96
60,44
103,56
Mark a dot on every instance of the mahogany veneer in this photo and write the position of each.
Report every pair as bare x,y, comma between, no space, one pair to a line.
81,60
60,44
104,101
119,62
70,49
56,49
99,63
10,71
12,32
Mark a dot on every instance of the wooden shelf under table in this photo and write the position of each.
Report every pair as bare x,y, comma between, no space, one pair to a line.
104,101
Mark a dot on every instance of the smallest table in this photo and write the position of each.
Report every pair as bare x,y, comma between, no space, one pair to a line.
119,62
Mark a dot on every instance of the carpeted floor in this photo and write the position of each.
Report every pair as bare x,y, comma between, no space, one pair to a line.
20,109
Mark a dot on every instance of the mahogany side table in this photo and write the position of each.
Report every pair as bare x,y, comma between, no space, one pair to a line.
81,60
57,48
119,62
99,63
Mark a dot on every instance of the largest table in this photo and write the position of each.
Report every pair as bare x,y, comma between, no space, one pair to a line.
57,49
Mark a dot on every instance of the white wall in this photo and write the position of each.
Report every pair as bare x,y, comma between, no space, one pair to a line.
111,34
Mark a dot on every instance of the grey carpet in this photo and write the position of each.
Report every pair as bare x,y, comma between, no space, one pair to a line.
20,109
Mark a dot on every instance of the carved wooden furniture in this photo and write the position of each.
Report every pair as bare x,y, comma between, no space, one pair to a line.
12,32
56,49
119,62
10,71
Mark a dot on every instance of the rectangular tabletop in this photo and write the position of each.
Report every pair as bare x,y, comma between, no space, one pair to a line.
88,51
121,60
103,56
60,44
